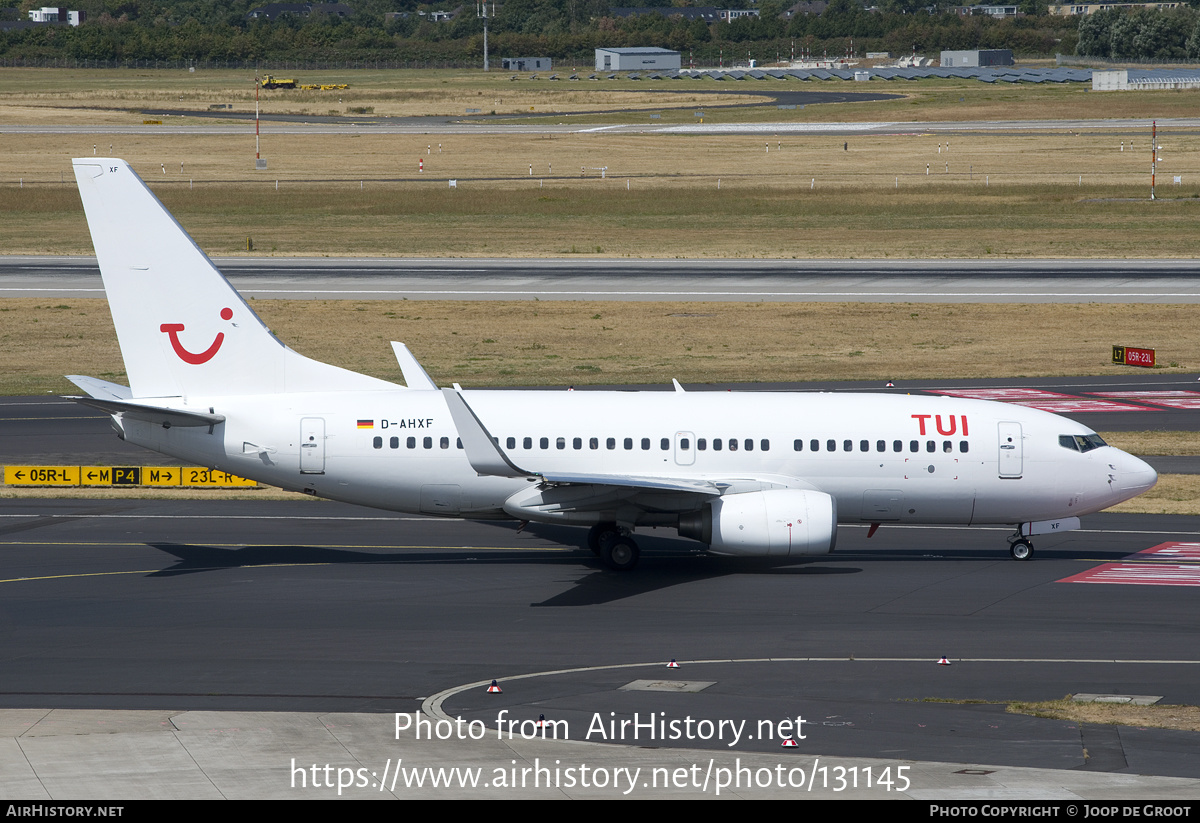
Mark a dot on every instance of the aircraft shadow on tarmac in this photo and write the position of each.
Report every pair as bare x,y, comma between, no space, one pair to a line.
662,568
666,562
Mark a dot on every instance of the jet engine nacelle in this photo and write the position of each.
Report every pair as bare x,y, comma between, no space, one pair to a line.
777,522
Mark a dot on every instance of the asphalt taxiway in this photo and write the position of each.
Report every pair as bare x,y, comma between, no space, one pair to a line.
309,606
237,625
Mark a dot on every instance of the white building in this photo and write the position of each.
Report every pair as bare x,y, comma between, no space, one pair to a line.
977,58
54,14
641,59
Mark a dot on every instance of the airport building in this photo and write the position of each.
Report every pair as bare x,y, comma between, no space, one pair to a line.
525,63
640,59
977,58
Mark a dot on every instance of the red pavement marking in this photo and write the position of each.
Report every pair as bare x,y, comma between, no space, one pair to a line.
1004,394
1081,404
1148,573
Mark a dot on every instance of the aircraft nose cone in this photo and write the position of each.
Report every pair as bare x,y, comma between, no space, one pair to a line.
1134,475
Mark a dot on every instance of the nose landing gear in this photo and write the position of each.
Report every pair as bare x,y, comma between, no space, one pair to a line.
1020,548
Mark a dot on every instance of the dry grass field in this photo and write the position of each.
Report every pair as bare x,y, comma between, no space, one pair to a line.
1183,718
910,194
119,95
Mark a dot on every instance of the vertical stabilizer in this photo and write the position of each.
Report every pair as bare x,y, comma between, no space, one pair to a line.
183,329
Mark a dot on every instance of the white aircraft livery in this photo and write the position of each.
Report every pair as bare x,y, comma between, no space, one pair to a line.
750,474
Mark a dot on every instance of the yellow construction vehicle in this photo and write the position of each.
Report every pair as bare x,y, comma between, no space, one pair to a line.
268,81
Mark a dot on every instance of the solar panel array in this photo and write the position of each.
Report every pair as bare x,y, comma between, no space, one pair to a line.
989,74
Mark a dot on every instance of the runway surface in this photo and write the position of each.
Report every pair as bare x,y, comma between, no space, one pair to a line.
322,607
917,281
156,607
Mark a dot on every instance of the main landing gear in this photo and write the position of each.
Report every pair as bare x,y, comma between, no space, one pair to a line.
613,545
1020,548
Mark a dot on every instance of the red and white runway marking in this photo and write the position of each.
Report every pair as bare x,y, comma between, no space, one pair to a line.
1148,568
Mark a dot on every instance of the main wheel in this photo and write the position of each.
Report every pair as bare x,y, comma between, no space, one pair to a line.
599,535
620,555
1021,549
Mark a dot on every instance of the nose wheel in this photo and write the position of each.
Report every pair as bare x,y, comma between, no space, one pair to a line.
1020,549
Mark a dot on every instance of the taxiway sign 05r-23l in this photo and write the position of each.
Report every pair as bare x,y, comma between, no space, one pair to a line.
751,474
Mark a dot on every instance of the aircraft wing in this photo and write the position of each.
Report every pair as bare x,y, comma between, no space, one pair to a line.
640,482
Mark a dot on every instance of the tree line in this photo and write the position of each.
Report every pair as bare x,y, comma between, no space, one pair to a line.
569,31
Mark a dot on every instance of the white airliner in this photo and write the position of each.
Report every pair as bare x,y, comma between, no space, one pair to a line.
750,474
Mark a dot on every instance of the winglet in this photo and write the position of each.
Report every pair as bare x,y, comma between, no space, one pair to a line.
483,452
415,377
678,388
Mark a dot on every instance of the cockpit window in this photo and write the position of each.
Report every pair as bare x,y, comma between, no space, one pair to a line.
1081,442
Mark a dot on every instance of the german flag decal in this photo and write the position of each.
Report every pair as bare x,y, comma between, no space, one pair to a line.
366,424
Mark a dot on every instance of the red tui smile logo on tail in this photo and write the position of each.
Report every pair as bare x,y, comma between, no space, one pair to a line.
173,329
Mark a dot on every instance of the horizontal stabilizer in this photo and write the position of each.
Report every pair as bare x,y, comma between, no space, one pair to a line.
158,415
102,389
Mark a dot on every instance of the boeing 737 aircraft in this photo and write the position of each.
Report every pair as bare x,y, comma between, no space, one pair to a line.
750,474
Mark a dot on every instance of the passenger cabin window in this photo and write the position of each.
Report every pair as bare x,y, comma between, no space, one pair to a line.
510,443
685,444
427,442
444,442
527,443
764,445
716,444
665,444
611,443
560,443
701,444
963,446
411,442
394,443
733,444
378,442
544,443
831,445
798,445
